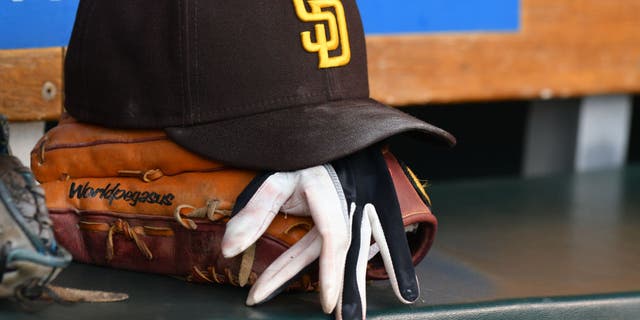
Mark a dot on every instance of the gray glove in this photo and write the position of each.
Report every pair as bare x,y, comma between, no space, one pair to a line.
30,258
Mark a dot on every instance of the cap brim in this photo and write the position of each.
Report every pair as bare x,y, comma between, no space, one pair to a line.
301,137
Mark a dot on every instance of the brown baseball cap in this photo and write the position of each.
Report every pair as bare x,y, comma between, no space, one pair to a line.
279,84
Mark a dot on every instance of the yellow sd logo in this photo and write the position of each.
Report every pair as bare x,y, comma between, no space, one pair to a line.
338,35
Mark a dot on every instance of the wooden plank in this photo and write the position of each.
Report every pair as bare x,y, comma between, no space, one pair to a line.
31,84
565,48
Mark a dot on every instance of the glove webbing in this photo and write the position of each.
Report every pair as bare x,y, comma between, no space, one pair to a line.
213,214
132,233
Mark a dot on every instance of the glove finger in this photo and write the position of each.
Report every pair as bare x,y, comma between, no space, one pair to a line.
249,191
396,253
333,223
258,213
284,269
353,300
396,257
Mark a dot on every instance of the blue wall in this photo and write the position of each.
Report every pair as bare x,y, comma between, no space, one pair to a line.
36,23
47,23
411,16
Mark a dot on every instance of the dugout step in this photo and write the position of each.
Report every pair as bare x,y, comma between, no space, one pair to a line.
562,247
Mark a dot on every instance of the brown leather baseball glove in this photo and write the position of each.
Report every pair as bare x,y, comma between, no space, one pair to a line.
133,199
